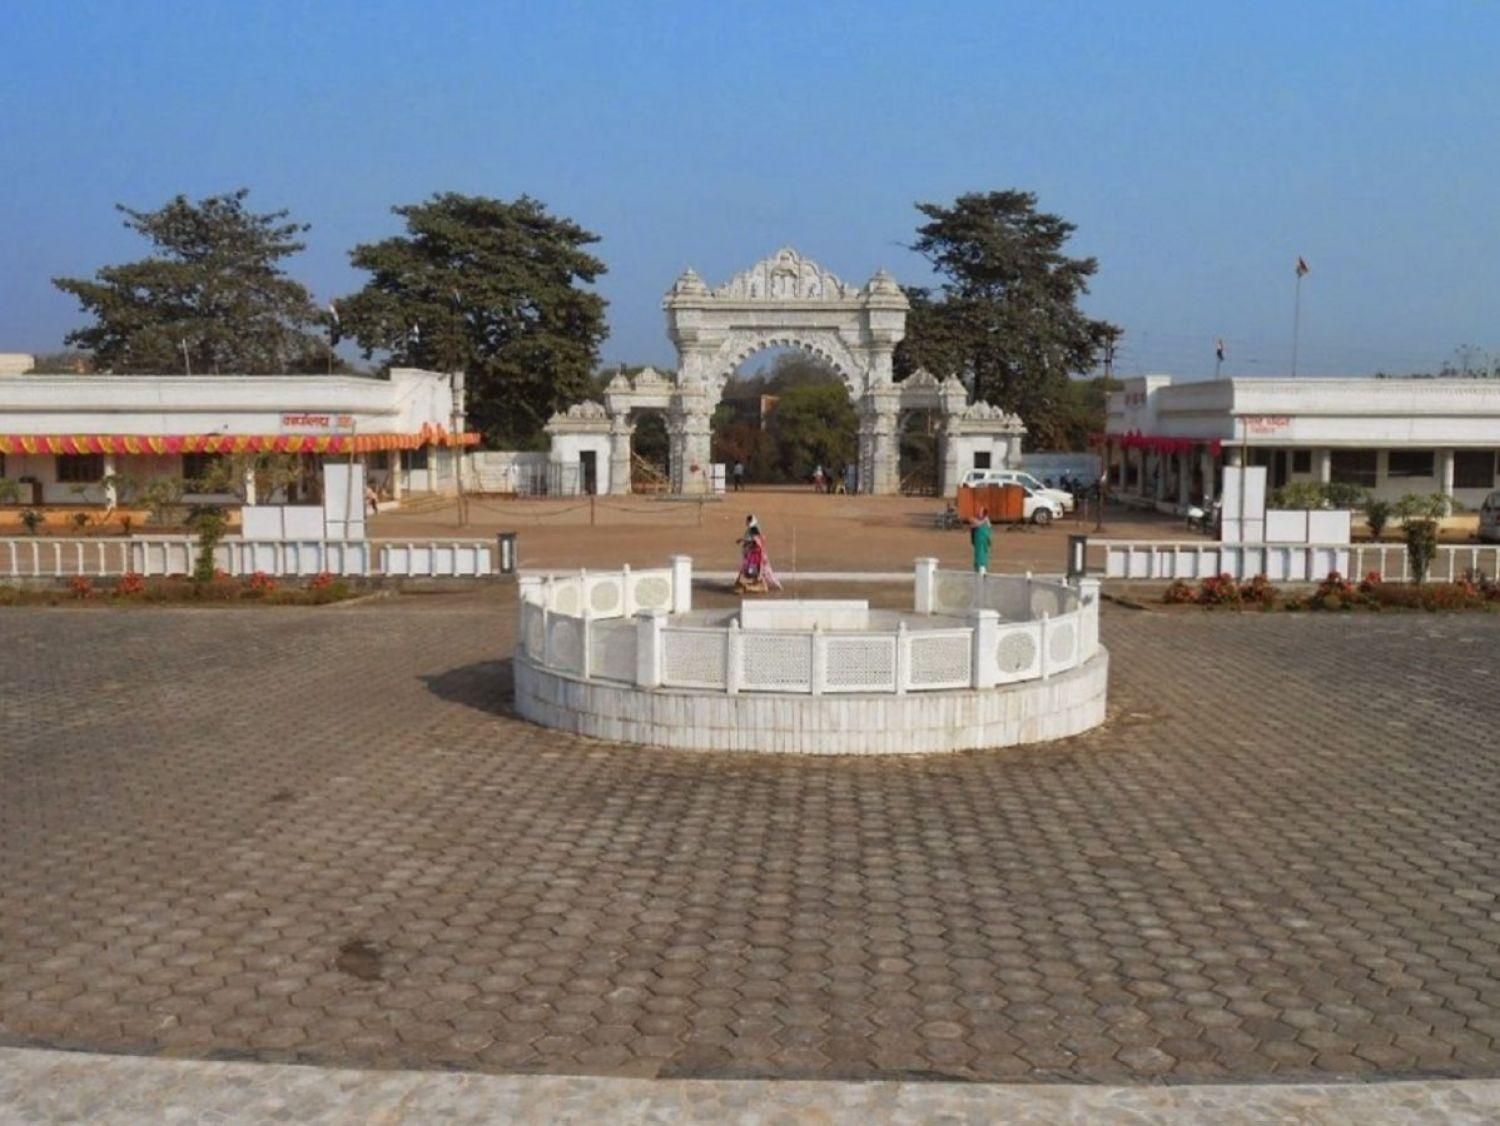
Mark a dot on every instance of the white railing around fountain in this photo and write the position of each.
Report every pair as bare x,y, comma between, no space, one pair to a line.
987,630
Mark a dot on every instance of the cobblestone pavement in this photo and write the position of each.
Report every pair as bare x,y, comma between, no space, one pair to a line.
318,836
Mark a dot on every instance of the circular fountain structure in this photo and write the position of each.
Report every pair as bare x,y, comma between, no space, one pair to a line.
979,660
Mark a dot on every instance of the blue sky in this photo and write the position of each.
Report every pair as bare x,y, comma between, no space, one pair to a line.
1199,147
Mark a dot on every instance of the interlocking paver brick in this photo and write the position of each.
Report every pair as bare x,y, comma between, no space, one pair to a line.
1278,860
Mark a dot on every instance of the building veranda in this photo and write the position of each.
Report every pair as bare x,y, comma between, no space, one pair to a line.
1166,443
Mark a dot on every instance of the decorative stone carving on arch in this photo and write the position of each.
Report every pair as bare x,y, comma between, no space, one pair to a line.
824,345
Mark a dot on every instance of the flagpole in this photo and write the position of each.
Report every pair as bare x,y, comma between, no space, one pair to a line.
1296,320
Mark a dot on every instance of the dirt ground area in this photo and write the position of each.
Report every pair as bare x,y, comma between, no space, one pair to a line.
805,531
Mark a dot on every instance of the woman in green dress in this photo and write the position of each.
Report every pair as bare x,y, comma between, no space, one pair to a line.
979,535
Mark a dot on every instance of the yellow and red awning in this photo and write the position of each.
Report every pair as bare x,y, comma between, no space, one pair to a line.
168,444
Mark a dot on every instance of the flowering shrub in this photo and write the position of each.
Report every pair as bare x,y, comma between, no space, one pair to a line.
130,584
80,587
1371,580
1219,590
261,583
1258,591
1179,593
321,581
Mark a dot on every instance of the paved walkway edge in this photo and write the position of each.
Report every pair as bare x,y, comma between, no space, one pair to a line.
38,1086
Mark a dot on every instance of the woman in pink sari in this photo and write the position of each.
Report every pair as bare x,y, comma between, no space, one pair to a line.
756,575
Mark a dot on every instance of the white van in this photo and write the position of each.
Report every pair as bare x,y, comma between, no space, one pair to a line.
1061,497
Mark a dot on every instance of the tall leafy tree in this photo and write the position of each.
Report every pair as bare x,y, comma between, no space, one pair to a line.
495,289
1005,318
212,296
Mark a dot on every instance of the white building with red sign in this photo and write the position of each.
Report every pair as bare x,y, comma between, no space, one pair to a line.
63,438
1166,442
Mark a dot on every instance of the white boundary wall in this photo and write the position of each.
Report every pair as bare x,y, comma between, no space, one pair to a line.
40,557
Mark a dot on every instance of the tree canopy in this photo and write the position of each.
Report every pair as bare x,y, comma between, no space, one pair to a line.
492,288
812,421
1005,318
211,297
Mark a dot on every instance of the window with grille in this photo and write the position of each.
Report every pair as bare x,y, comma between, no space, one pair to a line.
1472,469
80,469
1354,467
1409,463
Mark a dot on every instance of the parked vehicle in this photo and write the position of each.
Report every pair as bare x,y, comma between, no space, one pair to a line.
1489,518
1042,506
1019,477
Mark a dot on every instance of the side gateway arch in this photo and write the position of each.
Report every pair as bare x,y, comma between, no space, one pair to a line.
789,301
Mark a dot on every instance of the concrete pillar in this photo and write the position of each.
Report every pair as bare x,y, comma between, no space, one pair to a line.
648,645
1323,466
394,461
682,583
1445,472
432,469
887,455
1184,479
1159,483
925,581
1210,484
111,493
620,432
952,471
986,630
250,497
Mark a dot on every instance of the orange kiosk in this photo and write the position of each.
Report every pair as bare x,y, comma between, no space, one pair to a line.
1006,503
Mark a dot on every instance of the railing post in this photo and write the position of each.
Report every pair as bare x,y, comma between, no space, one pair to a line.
627,601
901,659
819,666
1088,618
984,671
734,658
924,580
648,647
682,584
586,634
1042,631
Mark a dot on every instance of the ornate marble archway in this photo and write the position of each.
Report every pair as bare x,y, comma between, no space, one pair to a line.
789,301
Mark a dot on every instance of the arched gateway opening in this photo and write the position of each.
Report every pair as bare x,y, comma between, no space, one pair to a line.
781,414
790,302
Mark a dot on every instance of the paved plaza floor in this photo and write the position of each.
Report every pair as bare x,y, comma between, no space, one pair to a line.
320,837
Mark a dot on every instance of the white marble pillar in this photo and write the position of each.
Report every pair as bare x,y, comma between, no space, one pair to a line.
1210,484
620,434
1445,472
1323,465
111,490
1184,478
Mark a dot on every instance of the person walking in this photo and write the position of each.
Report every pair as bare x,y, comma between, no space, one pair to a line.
817,477
980,534
739,476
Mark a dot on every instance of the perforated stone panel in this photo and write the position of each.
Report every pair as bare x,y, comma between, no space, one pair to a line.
955,593
1045,601
1061,643
693,659
1015,652
653,592
613,655
777,662
861,664
565,598
567,643
605,597
940,660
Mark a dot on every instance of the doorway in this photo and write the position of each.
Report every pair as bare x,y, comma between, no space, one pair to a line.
588,472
